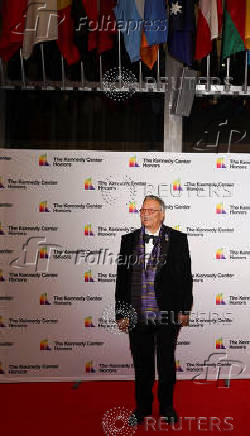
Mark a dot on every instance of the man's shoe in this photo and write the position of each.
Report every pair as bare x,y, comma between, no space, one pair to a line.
137,418
169,415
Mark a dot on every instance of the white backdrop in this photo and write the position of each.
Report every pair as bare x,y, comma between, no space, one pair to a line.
62,214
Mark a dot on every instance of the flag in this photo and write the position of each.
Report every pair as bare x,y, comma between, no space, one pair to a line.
247,34
208,26
220,14
156,23
13,19
181,30
128,16
41,24
107,26
92,14
140,7
149,54
65,40
79,25
234,27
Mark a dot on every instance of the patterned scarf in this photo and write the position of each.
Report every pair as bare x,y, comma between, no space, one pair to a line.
143,297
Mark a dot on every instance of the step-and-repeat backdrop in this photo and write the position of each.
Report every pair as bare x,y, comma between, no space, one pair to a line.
62,214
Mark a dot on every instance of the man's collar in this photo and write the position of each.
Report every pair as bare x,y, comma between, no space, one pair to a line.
147,232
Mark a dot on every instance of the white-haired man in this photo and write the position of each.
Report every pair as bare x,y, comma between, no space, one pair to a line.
154,277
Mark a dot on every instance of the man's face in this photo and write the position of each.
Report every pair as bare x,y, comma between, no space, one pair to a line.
151,215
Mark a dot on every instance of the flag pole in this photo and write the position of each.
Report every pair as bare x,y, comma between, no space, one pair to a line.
120,59
228,75
158,69
140,75
82,75
98,5
22,68
208,85
43,65
2,75
245,81
63,73
101,79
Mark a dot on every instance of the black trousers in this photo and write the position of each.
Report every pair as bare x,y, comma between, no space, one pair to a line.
145,340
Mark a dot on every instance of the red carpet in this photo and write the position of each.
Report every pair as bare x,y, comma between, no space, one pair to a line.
34,409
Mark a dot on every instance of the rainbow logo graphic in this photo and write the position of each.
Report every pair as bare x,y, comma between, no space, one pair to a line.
88,276
132,207
43,206
1,368
43,253
88,230
219,300
88,322
89,367
220,210
133,163
220,162
44,345
219,344
220,254
177,228
1,183
2,279
44,300
43,160
1,229
177,185
1,322
88,184
178,366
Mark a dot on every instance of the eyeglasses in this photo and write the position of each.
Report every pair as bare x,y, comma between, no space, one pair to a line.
149,211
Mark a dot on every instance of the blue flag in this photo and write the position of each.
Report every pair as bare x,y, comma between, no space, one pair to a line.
129,22
181,30
156,23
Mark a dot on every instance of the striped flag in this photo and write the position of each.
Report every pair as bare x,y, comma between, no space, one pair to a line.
234,27
208,26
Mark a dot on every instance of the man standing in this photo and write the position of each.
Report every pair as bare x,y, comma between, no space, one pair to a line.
154,277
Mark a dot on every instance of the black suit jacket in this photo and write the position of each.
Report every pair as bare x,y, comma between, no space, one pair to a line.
173,278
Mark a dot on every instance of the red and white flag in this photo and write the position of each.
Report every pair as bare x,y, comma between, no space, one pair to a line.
208,26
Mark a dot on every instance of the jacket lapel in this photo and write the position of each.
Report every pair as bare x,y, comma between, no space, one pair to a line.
164,247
